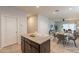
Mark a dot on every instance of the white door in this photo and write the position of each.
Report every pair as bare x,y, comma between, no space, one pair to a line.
10,30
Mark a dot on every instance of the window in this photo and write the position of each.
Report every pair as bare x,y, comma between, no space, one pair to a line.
69,26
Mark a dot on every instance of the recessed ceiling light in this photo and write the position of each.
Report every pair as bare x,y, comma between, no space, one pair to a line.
54,12
70,8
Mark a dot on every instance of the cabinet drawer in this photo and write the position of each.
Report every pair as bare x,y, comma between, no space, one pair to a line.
35,45
34,50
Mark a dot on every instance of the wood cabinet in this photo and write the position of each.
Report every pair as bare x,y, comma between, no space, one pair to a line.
22,44
28,46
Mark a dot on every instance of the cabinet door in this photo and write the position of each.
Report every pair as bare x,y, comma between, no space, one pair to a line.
27,48
22,45
34,50
45,47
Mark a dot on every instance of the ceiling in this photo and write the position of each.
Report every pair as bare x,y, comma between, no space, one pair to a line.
53,12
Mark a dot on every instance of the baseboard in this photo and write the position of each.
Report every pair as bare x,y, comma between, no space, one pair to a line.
8,45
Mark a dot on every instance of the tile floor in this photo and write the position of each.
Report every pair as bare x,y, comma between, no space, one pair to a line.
15,48
55,48
59,48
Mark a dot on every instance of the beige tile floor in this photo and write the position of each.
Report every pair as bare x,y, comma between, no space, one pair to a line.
55,48
59,48
15,48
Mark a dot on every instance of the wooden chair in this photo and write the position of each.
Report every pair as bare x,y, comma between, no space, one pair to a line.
73,39
61,39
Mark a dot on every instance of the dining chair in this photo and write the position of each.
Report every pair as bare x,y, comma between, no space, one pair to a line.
73,39
61,39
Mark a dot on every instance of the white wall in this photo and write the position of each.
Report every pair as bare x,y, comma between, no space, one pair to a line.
32,24
0,31
43,25
21,18
51,22
39,24
22,27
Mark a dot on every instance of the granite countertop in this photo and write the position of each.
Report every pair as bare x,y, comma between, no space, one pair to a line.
37,39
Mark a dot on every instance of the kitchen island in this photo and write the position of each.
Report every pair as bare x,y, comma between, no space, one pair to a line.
36,44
